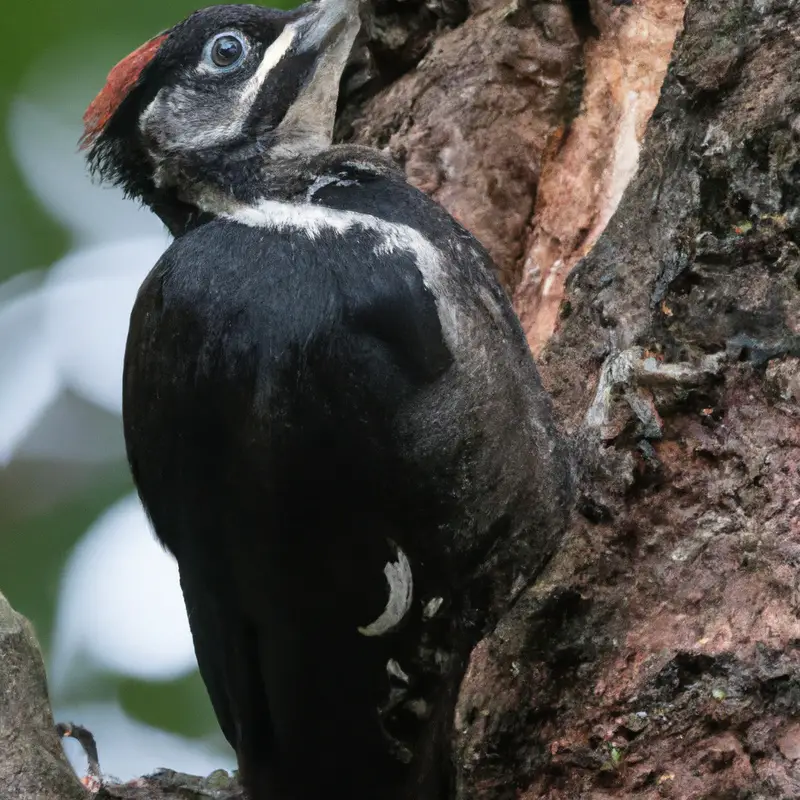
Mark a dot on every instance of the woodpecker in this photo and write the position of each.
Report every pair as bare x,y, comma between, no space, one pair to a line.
331,414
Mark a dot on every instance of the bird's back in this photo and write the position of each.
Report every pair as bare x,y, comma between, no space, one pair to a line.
335,424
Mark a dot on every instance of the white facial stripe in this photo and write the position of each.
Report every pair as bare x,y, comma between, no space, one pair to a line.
274,53
165,118
401,592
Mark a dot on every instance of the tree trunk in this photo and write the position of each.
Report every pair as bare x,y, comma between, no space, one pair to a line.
659,655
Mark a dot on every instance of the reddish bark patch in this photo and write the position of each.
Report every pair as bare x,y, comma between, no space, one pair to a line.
582,182
677,673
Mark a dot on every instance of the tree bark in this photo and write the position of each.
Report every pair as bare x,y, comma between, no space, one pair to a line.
659,655
32,761
33,765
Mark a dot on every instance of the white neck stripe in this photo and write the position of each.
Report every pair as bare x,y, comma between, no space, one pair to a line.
312,220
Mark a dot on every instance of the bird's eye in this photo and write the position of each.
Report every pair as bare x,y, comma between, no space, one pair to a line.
226,50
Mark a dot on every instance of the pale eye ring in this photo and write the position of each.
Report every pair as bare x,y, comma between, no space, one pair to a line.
225,51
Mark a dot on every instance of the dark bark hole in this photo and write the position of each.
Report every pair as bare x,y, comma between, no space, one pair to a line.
557,635
790,188
684,670
722,208
595,512
582,19
685,282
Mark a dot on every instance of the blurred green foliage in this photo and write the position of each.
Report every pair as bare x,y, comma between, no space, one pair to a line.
35,541
30,239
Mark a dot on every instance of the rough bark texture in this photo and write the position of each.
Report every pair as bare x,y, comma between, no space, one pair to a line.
659,656
592,160
471,121
32,761
33,765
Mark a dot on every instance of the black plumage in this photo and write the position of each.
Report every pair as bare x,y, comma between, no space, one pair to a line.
332,419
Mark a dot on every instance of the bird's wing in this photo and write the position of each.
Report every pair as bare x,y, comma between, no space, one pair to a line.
264,378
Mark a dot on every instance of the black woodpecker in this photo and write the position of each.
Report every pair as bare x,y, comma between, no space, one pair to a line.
331,413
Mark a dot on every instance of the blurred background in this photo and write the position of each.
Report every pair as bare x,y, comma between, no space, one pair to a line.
76,553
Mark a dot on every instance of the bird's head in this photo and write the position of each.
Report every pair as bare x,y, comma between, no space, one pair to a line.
209,103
